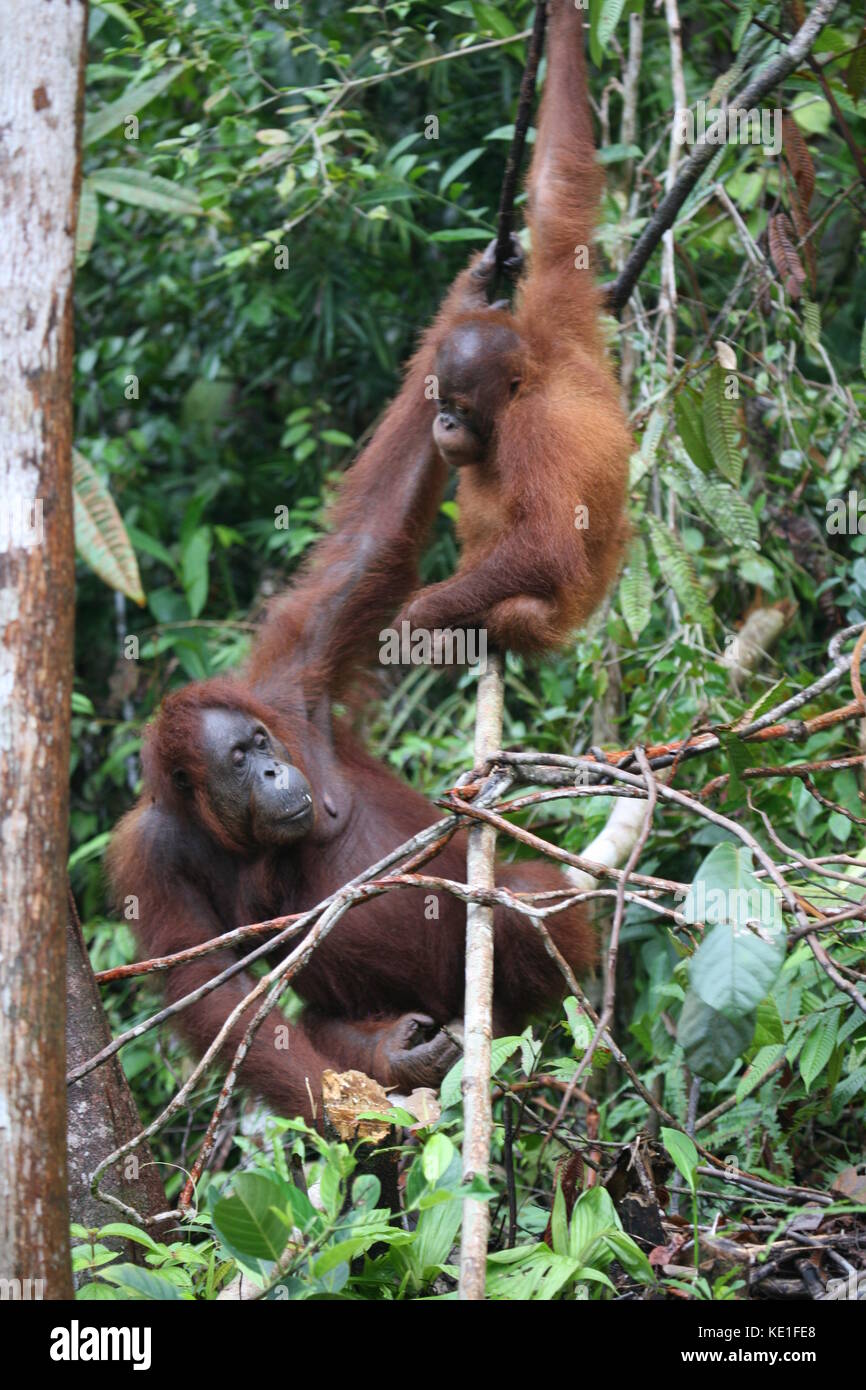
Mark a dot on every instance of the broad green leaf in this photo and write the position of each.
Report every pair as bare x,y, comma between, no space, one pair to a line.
99,123
725,889
690,427
453,172
146,191
737,963
248,1221
88,220
194,569
145,1284
630,1256
683,1152
489,17
763,1060
559,1223
769,1029
435,1234
678,571
744,19
723,506
604,19
733,968
711,1042
500,1051
818,1048
720,427
437,1156
635,589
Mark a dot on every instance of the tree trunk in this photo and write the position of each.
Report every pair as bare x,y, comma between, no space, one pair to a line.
102,1113
40,117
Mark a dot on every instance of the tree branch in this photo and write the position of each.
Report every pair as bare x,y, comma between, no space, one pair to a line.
752,95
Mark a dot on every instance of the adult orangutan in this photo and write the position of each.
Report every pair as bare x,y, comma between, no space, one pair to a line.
256,804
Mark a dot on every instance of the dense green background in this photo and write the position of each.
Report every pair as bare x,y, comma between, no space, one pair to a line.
300,127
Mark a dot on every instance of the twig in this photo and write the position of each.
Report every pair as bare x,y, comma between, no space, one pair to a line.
778,68
606,1016
668,291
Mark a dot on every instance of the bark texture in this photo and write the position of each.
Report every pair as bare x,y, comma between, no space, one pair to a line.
40,116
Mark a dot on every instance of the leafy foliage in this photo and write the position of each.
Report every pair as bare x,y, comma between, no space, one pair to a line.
273,203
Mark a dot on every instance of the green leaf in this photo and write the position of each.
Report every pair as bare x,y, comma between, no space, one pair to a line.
683,1153
437,1156
249,1221
88,221
500,1051
733,969
462,234
601,32
818,1048
738,961
194,569
128,1232
769,1029
119,12
635,590
711,1042
559,1223
724,508
453,172
720,427
151,547
690,427
763,1060
435,1234
99,123
100,535
743,20
678,571
811,321
630,1256
146,191
489,17
145,1284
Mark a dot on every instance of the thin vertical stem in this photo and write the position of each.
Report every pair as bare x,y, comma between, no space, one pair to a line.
477,1108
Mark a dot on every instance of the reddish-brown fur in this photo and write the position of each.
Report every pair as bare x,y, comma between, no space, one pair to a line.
527,573
383,959
390,956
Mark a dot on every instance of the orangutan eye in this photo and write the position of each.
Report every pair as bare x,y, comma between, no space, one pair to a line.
261,739
238,756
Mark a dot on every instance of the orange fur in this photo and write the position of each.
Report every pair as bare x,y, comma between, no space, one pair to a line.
527,572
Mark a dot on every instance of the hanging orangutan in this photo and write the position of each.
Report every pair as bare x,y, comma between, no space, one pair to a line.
529,408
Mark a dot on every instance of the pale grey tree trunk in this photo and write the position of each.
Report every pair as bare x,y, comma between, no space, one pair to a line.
40,119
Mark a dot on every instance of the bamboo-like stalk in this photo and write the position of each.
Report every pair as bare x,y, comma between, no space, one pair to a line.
478,1115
